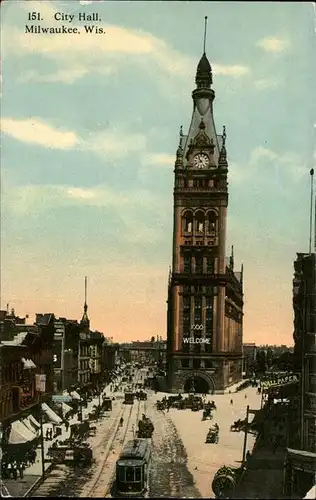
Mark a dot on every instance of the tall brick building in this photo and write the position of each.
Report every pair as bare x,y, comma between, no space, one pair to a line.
205,294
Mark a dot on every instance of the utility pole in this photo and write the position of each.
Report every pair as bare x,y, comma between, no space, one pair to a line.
40,387
245,437
42,437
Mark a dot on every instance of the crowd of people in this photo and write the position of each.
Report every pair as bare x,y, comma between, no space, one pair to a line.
13,468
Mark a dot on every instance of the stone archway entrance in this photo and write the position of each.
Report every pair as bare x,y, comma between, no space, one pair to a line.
198,382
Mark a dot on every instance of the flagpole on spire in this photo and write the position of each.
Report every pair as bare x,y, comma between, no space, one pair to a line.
205,28
311,211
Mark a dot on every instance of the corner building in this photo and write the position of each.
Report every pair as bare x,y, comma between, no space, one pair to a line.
205,294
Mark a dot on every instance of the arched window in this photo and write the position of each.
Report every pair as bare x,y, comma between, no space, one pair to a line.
211,222
199,222
187,222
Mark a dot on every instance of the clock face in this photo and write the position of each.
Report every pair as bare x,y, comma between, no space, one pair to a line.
201,161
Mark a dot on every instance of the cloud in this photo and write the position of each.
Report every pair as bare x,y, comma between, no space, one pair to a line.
36,198
272,44
88,2
81,194
267,83
67,75
233,70
266,166
115,143
158,159
100,54
112,143
35,131
131,210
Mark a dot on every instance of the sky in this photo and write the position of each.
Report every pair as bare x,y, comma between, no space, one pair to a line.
90,127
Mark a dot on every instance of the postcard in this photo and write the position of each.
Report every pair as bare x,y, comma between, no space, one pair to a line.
158,282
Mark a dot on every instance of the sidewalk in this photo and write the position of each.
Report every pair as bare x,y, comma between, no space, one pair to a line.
19,487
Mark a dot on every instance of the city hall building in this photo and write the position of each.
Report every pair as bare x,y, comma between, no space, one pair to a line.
205,293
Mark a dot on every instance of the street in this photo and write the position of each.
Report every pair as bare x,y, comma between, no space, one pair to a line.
182,465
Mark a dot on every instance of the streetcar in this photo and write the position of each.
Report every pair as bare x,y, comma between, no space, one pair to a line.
129,398
132,468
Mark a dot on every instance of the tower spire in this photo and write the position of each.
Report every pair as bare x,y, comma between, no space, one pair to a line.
205,31
85,293
231,260
224,135
85,322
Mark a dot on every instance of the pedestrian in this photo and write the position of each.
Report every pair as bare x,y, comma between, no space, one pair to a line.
67,425
51,434
245,396
231,401
21,469
47,434
15,473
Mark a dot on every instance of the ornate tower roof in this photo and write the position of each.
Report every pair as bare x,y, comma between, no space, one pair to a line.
203,96
203,77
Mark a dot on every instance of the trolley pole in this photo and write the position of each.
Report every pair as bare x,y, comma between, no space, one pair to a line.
245,438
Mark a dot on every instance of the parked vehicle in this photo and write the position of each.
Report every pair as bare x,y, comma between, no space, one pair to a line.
207,413
213,434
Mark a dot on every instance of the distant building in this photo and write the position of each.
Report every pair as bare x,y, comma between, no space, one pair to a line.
249,357
66,347
95,363
205,292
145,351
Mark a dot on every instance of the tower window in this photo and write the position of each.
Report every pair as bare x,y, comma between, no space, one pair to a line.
196,363
198,310
185,363
199,265
209,303
211,222
187,222
186,303
199,222
210,264
187,263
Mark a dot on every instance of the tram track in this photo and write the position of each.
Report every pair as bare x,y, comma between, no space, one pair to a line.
140,403
113,432
104,477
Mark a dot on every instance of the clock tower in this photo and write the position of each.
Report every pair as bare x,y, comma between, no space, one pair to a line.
205,293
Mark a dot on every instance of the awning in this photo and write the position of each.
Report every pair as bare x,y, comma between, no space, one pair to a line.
20,434
30,426
4,492
311,494
75,395
34,421
66,408
28,363
51,414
